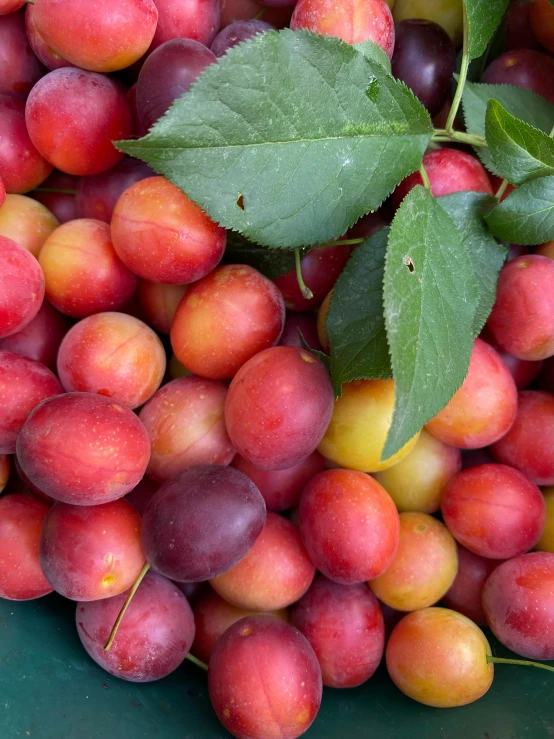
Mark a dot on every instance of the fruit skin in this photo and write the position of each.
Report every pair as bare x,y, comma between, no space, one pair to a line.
24,383
192,19
484,408
466,591
159,303
202,522
77,145
225,319
529,444
97,195
527,68
522,319
281,489
5,468
50,58
416,483
102,36
439,658
541,15
19,67
185,423
494,511
115,355
21,288
213,616
349,526
83,449
236,33
351,20
178,63
518,600
62,204
449,171
41,338
27,222
447,13
306,323
264,680
21,164
359,426
274,574
83,273
91,552
278,407
154,638
424,59
238,10
546,542
519,33
345,626
10,6
423,568
21,519
161,235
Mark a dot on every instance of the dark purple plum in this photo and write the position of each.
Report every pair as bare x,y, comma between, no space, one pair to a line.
202,522
424,59
236,33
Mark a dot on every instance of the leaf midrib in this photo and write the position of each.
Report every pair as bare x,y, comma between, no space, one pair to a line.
362,137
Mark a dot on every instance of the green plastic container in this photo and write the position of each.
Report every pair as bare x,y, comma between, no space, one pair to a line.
51,689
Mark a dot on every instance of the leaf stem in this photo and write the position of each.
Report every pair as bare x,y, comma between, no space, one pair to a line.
425,177
551,132
196,661
461,79
501,190
340,242
521,662
306,292
128,600
441,134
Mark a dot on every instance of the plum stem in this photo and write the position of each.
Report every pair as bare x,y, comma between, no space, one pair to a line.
259,15
462,78
340,242
128,600
196,661
58,190
307,294
521,662
424,177
501,190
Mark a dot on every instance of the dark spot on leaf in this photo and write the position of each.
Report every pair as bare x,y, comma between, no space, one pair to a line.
409,264
105,686
373,90
240,202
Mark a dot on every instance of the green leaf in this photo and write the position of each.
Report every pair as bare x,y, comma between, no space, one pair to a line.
483,18
289,138
430,295
355,323
519,151
523,104
527,215
373,51
487,256
270,262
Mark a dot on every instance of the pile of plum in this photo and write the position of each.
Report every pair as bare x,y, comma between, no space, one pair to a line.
166,434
